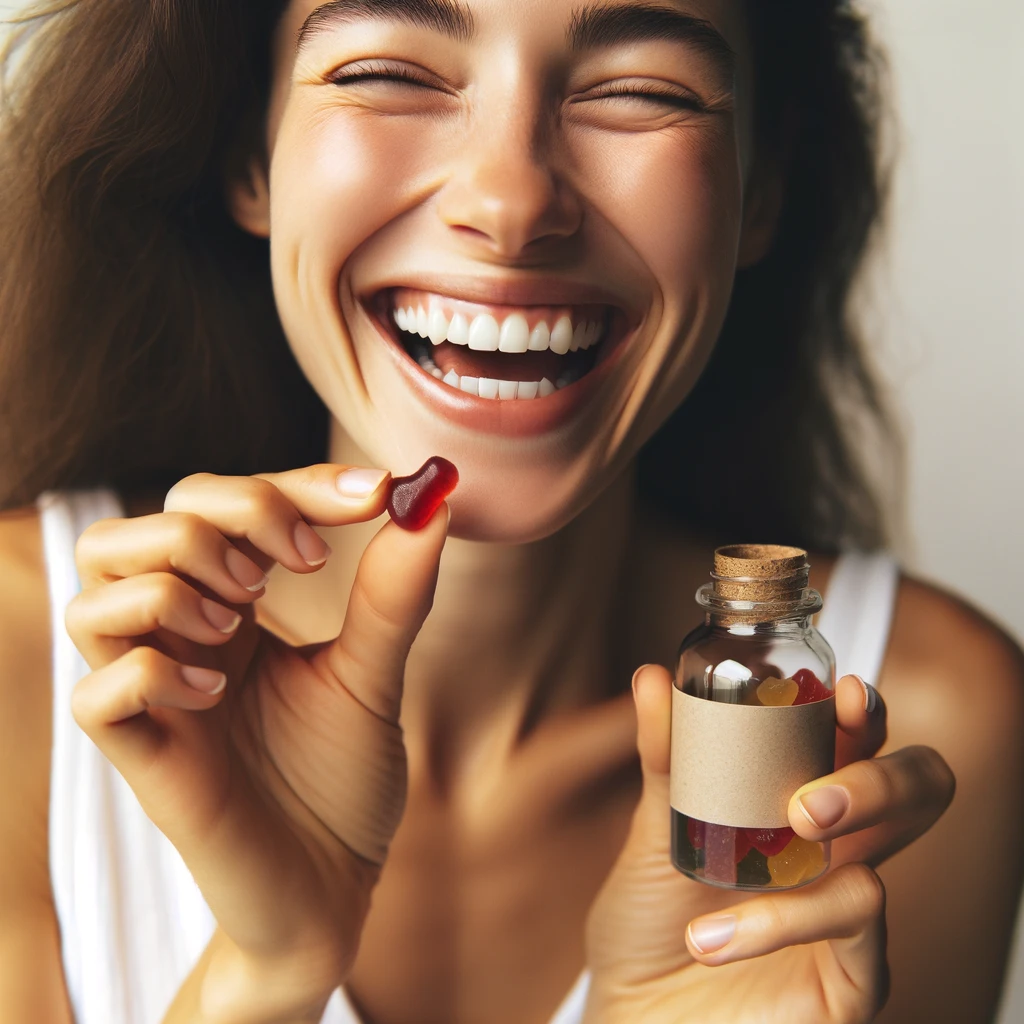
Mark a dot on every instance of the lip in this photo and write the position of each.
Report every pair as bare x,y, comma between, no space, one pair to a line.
513,418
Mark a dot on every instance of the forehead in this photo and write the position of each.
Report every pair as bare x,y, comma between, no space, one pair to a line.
575,24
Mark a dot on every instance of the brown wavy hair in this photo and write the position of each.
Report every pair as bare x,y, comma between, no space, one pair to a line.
139,341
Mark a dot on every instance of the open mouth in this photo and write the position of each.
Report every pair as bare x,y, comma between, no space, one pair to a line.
504,353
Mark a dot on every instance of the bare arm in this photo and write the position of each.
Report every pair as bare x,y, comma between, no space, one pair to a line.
955,682
31,979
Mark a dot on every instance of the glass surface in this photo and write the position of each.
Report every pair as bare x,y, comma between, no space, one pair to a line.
765,664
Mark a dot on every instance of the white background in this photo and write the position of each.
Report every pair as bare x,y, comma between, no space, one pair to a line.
947,302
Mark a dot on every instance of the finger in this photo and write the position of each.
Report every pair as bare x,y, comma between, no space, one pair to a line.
861,719
652,693
102,622
272,511
845,907
111,704
391,596
180,542
907,791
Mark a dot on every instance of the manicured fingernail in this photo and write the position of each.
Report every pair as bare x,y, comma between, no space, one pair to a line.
206,680
710,934
311,546
245,571
360,483
825,806
220,617
870,697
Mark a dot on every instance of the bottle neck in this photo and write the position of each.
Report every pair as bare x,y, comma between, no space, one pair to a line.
759,585
790,612
794,625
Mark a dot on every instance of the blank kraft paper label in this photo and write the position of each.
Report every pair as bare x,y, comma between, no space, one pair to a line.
738,764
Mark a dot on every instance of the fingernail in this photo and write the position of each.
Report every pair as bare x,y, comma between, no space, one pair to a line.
710,934
636,675
311,545
870,696
206,680
360,483
221,618
825,806
245,571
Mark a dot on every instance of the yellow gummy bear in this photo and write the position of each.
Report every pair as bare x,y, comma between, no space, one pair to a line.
778,693
799,860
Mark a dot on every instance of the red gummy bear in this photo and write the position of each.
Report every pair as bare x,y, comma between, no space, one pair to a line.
770,841
811,687
413,500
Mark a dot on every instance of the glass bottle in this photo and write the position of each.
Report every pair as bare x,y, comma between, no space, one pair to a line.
753,719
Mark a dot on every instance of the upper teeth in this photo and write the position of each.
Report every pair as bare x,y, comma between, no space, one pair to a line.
484,334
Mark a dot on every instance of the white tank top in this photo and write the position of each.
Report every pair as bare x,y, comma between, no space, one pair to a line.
132,921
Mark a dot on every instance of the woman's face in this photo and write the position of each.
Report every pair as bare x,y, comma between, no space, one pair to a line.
551,191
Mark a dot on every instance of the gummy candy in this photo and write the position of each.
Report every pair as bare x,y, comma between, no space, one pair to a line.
753,870
801,859
778,693
413,500
770,841
720,853
811,687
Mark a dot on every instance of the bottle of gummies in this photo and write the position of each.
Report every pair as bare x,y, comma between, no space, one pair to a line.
753,719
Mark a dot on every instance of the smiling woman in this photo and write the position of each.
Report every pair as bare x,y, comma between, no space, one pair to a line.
592,260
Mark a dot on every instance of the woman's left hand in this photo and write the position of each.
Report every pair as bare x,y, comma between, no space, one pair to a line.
813,955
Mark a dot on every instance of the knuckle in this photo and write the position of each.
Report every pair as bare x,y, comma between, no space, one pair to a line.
83,707
73,615
862,889
87,540
174,498
141,665
776,917
164,592
260,499
188,530
880,780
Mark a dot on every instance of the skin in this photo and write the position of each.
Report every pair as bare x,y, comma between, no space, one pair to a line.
515,769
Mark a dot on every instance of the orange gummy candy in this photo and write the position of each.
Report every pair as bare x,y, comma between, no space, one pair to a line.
799,860
777,693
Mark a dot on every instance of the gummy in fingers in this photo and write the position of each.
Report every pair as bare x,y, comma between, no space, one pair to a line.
413,500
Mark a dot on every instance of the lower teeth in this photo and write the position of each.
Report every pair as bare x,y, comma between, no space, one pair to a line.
569,376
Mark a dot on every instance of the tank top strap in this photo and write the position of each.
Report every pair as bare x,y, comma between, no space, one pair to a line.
858,611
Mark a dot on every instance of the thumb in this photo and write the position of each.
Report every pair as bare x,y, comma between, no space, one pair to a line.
652,692
391,596
637,925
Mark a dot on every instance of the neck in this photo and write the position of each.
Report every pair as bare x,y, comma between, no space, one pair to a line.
517,633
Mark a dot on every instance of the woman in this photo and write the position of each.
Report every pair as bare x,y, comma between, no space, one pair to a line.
688,185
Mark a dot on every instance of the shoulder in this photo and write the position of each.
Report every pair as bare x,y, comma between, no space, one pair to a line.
25,699
952,673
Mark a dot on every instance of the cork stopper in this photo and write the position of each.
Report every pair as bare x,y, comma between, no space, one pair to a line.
758,582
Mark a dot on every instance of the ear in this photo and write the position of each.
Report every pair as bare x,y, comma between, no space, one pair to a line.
762,207
247,192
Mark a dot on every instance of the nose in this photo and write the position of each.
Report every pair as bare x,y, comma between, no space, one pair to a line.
504,194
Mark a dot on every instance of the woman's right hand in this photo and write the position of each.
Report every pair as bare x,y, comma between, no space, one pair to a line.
283,790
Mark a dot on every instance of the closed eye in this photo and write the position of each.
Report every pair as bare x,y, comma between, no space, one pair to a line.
381,72
647,92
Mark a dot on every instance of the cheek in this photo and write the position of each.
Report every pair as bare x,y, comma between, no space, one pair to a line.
337,178
675,197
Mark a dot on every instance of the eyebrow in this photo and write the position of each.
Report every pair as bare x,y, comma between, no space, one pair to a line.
449,17
616,23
